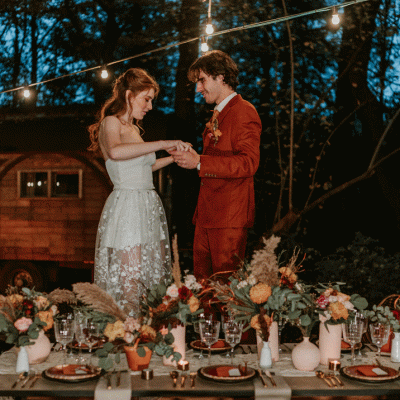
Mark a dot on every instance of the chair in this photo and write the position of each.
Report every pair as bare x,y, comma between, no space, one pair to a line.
390,301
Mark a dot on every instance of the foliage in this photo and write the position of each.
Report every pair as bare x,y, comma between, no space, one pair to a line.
23,314
384,315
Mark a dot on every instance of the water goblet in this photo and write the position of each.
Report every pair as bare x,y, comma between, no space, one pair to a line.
64,333
209,333
92,334
352,332
196,328
80,335
233,335
360,316
379,335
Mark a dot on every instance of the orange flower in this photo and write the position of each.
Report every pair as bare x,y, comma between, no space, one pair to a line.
338,310
260,293
254,323
46,316
194,304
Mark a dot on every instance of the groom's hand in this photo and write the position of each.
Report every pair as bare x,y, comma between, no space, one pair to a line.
186,159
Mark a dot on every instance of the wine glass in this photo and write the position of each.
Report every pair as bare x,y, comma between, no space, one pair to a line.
196,328
379,335
364,320
352,333
233,335
92,334
80,326
209,333
64,333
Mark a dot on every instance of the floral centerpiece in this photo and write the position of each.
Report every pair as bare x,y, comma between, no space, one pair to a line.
23,314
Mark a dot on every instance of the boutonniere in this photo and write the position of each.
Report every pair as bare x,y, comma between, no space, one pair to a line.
212,126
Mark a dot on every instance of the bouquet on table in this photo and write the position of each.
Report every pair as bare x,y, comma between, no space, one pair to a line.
23,314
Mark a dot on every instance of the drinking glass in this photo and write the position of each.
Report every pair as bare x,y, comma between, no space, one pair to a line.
364,320
196,327
209,333
233,335
80,326
64,333
379,335
352,332
92,334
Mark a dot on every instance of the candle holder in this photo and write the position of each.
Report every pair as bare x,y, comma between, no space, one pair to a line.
147,374
183,365
334,365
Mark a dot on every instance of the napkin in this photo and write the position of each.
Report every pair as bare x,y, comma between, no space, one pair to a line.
281,391
122,392
371,370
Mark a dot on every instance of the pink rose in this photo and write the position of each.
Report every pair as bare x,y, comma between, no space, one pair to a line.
23,324
322,301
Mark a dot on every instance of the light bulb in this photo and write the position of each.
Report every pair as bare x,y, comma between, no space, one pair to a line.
26,93
335,16
209,29
104,73
204,47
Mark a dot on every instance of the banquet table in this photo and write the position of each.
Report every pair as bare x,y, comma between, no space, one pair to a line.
297,384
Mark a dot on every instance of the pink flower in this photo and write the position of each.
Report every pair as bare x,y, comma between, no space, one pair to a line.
128,337
23,324
322,301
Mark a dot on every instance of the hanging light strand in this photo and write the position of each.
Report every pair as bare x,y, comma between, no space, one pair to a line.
239,28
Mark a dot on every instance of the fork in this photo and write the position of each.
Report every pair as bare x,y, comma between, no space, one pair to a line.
21,376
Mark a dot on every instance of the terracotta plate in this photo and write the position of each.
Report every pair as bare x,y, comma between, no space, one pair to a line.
365,373
72,373
221,345
226,373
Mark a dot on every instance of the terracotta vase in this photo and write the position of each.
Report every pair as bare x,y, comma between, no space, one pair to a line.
135,362
330,342
39,351
179,334
306,355
273,341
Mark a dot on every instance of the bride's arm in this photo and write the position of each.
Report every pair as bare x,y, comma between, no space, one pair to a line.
162,162
111,144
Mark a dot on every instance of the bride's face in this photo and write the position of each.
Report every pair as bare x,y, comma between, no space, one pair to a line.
141,104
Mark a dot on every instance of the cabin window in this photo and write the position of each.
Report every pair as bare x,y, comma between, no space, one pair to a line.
50,183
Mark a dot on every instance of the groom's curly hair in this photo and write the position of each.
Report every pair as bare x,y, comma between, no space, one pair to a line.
215,63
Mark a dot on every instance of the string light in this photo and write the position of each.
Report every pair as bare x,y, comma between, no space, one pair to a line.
335,16
209,27
26,92
204,45
167,47
104,72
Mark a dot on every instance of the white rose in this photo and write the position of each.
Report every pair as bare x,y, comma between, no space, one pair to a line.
349,305
172,291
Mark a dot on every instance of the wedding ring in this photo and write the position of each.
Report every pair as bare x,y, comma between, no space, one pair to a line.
147,374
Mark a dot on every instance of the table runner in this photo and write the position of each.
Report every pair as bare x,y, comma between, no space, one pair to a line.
282,390
123,392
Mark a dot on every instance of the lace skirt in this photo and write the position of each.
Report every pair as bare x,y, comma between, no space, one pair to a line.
132,247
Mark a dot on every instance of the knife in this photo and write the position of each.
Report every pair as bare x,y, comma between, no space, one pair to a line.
108,377
262,378
270,377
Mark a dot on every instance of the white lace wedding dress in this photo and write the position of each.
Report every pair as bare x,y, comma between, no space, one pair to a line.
132,244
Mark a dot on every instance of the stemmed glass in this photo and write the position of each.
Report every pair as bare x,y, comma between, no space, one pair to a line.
64,333
196,327
233,334
364,319
80,326
352,333
92,334
379,335
209,333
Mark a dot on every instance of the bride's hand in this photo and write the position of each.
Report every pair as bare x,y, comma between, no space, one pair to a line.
172,145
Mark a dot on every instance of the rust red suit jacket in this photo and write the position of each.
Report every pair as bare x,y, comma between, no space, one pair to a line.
226,196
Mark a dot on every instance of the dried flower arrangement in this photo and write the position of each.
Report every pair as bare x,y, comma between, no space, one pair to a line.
23,314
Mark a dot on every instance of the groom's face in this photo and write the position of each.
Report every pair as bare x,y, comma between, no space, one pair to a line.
209,87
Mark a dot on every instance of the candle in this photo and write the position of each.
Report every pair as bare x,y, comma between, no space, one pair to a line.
334,364
183,365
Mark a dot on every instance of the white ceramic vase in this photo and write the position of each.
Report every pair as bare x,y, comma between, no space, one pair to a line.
395,352
265,359
179,344
273,341
330,342
306,355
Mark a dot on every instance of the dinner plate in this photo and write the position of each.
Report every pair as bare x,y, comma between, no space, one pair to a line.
364,373
221,345
226,373
84,347
72,373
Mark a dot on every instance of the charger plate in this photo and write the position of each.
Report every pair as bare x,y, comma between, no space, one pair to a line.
219,373
221,345
72,373
84,347
354,372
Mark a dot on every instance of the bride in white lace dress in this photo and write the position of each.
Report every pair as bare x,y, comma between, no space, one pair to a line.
132,244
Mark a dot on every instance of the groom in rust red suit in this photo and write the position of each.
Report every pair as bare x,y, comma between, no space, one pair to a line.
231,153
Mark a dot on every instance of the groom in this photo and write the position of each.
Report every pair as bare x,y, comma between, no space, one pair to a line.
231,153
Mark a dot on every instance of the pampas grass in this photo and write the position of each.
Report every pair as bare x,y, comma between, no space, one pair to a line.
98,299
59,296
176,268
7,309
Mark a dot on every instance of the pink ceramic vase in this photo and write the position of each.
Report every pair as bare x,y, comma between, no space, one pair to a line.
305,355
39,351
329,342
179,344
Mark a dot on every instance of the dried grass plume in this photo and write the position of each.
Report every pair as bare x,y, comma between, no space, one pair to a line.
59,296
176,268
